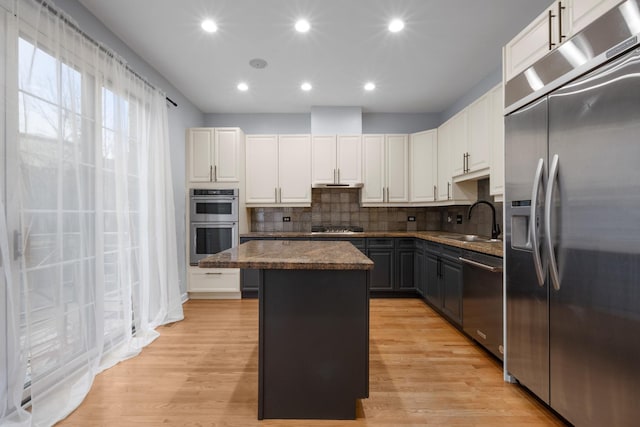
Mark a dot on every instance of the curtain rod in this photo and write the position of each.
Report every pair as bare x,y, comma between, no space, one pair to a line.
62,15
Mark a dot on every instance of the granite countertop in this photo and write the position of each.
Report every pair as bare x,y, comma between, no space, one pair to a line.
290,255
443,237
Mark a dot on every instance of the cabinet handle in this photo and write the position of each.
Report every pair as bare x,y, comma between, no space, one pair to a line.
210,173
464,162
551,16
468,155
434,193
338,176
215,174
216,274
280,194
276,196
560,9
448,191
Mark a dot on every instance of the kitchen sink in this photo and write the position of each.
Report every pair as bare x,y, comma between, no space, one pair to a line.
470,238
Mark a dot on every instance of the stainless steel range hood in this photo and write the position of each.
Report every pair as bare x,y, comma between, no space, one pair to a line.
341,185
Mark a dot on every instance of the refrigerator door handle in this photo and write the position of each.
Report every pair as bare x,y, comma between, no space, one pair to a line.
553,266
533,222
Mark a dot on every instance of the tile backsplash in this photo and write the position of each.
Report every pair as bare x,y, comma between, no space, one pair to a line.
341,207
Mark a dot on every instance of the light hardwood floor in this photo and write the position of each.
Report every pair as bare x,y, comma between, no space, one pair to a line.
203,371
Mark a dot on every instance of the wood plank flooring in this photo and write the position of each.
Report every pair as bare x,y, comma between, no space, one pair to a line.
203,371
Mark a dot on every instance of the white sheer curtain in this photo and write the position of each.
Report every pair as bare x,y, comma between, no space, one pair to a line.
88,229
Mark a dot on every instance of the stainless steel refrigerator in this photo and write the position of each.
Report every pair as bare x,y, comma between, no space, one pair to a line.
572,224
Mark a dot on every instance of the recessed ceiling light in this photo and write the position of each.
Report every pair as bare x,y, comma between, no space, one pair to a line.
302,26
209,26
242,86
369,86
306,86
396,25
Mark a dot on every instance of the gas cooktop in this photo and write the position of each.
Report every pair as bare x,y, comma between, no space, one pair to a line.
344,229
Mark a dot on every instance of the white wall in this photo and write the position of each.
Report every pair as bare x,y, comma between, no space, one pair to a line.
268,123
183,116
262,123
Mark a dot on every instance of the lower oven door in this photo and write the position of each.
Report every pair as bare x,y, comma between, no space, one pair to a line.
209,238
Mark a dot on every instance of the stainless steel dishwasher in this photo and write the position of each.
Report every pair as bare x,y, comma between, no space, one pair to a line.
482,300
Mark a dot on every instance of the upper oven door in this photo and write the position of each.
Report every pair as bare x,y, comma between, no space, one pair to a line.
214,208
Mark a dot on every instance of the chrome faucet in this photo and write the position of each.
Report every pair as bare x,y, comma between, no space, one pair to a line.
495,228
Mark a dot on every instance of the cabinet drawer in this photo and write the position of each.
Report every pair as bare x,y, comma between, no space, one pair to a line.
432,247
406,243
451,252
215,280
375,242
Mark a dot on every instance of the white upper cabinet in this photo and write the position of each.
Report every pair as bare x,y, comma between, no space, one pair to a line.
479,135
373,162
324,170
450,134
386,169
278,170
423,166
445,170
496,179
544,34
262,169
294,169
553,27
337,160
213,154
349,159
397,151
459,142
584,12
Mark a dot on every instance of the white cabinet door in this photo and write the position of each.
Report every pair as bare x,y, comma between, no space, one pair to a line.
479,134
423,166
545,33
214,280
397,159
200,145
294,169
261,169
584,12
349,159
496,178
226,165
373,163
324,169
445,171
459,142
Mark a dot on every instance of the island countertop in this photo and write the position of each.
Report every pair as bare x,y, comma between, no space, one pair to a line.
290,255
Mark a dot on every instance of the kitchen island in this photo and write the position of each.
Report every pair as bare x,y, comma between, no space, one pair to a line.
313,325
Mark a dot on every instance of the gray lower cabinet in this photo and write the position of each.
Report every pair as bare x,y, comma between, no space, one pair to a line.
443,288
382,252
420,268
405,265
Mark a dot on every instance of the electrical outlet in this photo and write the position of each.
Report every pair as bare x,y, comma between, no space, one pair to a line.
411,219
286,219
458,219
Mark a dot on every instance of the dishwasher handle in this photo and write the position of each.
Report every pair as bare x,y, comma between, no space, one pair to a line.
473,263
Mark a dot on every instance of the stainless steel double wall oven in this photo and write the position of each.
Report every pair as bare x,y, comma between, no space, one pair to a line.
213,221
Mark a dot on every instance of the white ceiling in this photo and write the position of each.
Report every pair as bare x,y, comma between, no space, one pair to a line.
446,48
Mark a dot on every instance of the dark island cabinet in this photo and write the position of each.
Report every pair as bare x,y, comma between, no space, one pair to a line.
250,278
